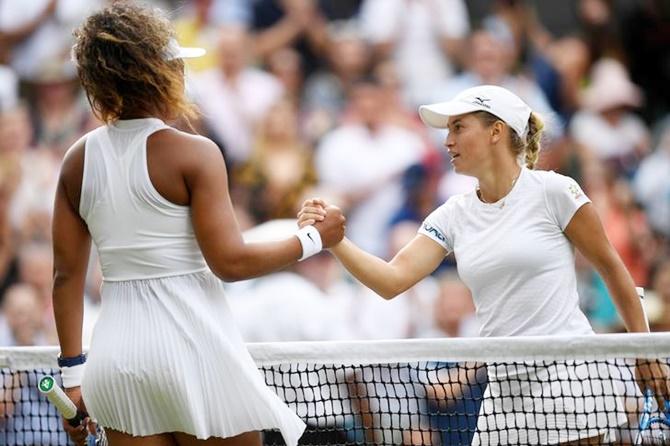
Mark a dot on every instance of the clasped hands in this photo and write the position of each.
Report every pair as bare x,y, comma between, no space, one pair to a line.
327,219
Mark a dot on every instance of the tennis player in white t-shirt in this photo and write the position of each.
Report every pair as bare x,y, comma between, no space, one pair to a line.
514,239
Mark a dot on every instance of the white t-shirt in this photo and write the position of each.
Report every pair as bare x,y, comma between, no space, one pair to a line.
514,256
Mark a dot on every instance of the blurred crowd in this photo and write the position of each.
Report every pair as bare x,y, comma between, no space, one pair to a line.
319,98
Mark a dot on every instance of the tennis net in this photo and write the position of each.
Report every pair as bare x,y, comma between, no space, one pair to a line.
531,390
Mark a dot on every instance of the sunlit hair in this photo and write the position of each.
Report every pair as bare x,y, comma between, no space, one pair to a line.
120,56
529,147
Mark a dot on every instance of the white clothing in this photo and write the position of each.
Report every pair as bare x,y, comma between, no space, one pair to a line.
519,266
568,401
351,159
607,141
232,111
165,354
416,28
514,256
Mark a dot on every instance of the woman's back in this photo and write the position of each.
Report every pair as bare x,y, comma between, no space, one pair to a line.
139,233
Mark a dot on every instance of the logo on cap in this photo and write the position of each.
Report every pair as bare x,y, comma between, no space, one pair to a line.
481,101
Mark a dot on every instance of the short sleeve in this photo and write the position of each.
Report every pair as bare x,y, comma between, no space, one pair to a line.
436,227
564,197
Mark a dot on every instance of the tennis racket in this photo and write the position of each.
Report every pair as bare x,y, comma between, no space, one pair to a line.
645,435
48,387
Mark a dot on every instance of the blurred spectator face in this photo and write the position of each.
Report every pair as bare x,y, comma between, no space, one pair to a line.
287,66
349,57
23,314
489,56
232,50
35,266
594,12
55,93
367,102
281,122
453,305
15,131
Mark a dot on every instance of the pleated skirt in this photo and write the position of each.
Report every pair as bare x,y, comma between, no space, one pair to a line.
166,356
527,404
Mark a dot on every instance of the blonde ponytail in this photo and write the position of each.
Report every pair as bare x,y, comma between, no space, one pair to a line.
533,139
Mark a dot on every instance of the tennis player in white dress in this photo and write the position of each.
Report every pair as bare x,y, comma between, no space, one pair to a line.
513,239
166,364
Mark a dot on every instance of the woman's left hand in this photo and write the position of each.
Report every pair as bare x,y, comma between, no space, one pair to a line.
79,434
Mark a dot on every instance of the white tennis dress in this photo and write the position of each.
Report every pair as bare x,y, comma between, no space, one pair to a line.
165,354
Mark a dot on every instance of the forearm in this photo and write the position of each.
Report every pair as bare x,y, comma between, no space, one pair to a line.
258,259
68,303
370,270
622,289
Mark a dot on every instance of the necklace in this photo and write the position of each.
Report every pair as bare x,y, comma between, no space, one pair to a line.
500,203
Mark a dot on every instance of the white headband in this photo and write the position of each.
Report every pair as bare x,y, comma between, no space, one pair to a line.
172,51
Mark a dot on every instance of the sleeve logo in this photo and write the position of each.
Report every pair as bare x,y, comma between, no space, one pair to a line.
431,230
576,191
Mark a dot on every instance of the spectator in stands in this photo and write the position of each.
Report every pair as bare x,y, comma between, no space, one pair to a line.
344,159
652,181
280,167
424,37
347,59
198,26
606,128
59,111
22,322
235,97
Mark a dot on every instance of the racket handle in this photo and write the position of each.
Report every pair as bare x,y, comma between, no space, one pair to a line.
48,387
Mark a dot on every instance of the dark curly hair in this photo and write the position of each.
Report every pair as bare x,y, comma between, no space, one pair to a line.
120,57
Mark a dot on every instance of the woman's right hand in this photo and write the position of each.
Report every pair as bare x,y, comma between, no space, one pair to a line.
312,211
328,220
79,434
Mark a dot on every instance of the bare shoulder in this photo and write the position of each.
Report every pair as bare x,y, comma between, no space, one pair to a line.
187,149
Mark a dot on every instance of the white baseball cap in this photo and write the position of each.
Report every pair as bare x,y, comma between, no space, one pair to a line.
175,51
496,100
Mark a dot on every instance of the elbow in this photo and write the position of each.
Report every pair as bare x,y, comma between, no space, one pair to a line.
230,273
390,291
232,269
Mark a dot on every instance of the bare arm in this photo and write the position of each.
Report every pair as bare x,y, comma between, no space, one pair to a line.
216,227
71,249
416,260
586,233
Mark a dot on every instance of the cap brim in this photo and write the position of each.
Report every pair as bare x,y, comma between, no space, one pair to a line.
189,53
437,115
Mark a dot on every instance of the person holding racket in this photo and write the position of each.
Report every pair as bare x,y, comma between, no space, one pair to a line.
166,364
513,239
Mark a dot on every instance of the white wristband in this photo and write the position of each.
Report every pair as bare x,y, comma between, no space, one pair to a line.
310,240
71,376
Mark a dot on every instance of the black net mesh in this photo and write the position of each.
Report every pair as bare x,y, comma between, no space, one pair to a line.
419,403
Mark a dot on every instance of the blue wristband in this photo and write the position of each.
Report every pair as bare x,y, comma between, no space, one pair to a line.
71,361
